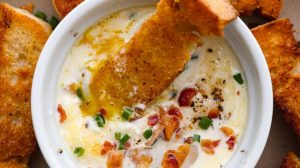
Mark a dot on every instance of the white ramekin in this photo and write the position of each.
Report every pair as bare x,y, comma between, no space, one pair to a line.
260,100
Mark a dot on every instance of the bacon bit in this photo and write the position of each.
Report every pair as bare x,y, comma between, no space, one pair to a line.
189,140
208,146
115,159
106,147
175,158
103,111
172,161
175,111
153,120
141,161
169,123
213,113
231,142
62,112
170,127
227,131
186,96
179,133
127,145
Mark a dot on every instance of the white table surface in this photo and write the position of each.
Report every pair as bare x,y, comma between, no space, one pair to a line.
281,140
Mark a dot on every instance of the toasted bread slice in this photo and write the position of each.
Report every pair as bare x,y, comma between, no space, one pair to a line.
22,37
63,7
270,8
157,53
282,53
291,161
267,8
245,7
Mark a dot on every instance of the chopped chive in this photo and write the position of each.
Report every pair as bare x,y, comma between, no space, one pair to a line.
126,113
100,120
118,135
196,137
194,56
79,93
205,122
124,139
41,15
79,151
238,78
121,146
53,22
148,133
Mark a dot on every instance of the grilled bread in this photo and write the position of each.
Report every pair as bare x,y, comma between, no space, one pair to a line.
282,53
22,37
63,7
291,161
157,53
267,8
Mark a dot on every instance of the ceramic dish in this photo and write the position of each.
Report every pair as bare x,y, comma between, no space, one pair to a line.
260,101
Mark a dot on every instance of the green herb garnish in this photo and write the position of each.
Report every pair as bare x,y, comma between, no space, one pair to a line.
196,138
100,120
53,22
41,15
79,93
205,122
121,146
126,113
238,78
148,133
79,151
118,135
124,139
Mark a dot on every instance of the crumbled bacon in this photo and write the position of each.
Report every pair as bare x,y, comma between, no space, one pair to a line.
62,112
141,160
127,145
153,120
213,113
189,140
169,122
227,131
156,132
175,111
103,111
115,159
175,158
106,147
179,133
208,146
172,161
231,142
186,96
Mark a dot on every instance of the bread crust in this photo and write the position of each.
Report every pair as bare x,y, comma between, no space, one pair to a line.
267,8
63,7
291,161
22,37
282,54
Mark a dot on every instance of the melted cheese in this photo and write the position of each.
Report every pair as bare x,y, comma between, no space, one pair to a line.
212,67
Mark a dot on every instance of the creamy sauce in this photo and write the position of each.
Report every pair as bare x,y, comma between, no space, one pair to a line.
211,69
